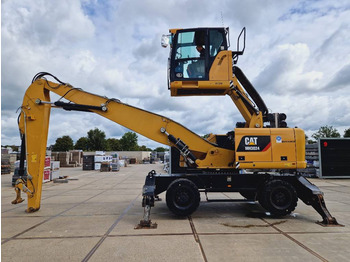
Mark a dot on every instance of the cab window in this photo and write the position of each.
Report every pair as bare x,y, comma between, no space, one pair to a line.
186,47
216,42
190,55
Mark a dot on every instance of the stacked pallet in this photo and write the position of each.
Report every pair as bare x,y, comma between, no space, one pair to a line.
5,169
47,170
101,161
54,156
105,167
72,158
64,158
312,160
88,162
77,157
5,164
8,163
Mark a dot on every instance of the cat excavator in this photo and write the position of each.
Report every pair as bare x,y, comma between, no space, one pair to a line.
261,158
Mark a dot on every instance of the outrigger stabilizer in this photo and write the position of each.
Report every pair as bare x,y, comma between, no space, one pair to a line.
309,193
148,202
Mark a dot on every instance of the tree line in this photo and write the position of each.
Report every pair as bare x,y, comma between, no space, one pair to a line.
96,141
326,131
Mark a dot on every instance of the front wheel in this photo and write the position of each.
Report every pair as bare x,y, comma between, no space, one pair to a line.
182,197
278,197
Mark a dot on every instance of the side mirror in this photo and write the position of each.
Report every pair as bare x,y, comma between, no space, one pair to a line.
165,40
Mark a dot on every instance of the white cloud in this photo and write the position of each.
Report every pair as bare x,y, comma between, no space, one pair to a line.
286,73
297,55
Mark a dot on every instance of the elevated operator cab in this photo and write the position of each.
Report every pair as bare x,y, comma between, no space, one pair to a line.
199,61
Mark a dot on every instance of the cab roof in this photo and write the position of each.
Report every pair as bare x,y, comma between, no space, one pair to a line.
173,31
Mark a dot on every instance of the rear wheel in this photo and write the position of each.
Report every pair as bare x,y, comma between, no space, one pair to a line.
278,197
182,197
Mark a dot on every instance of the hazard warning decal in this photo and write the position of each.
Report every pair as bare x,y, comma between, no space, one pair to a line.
254,144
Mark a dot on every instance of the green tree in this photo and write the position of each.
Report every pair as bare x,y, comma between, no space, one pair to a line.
96,140
144,148
326,131
347,132
82,143
160,149
64,143
128,142
309,141
113,144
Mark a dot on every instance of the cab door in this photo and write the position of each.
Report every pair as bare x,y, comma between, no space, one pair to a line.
193,52
188,61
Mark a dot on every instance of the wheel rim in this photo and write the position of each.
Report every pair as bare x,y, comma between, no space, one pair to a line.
183,198
281,198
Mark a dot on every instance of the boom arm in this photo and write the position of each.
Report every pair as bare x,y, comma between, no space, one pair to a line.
34,123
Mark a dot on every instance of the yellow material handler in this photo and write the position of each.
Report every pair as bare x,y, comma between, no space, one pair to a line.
261,158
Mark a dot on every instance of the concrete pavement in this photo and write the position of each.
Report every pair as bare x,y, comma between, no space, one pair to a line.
92,218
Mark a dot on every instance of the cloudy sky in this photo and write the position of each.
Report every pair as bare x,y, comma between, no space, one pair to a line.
297,56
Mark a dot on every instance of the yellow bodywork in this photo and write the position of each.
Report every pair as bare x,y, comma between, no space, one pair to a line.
287,153
219,83
285,148
34,123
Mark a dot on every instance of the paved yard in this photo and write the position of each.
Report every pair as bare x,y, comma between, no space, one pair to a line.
92,218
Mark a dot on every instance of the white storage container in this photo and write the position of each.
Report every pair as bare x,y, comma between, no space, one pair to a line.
107,159
122,162
55,174
100,153
99,158
55,169
97,166
55,165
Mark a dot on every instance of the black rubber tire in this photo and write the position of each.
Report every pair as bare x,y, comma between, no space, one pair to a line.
278,197
182,197
261,199
249,195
